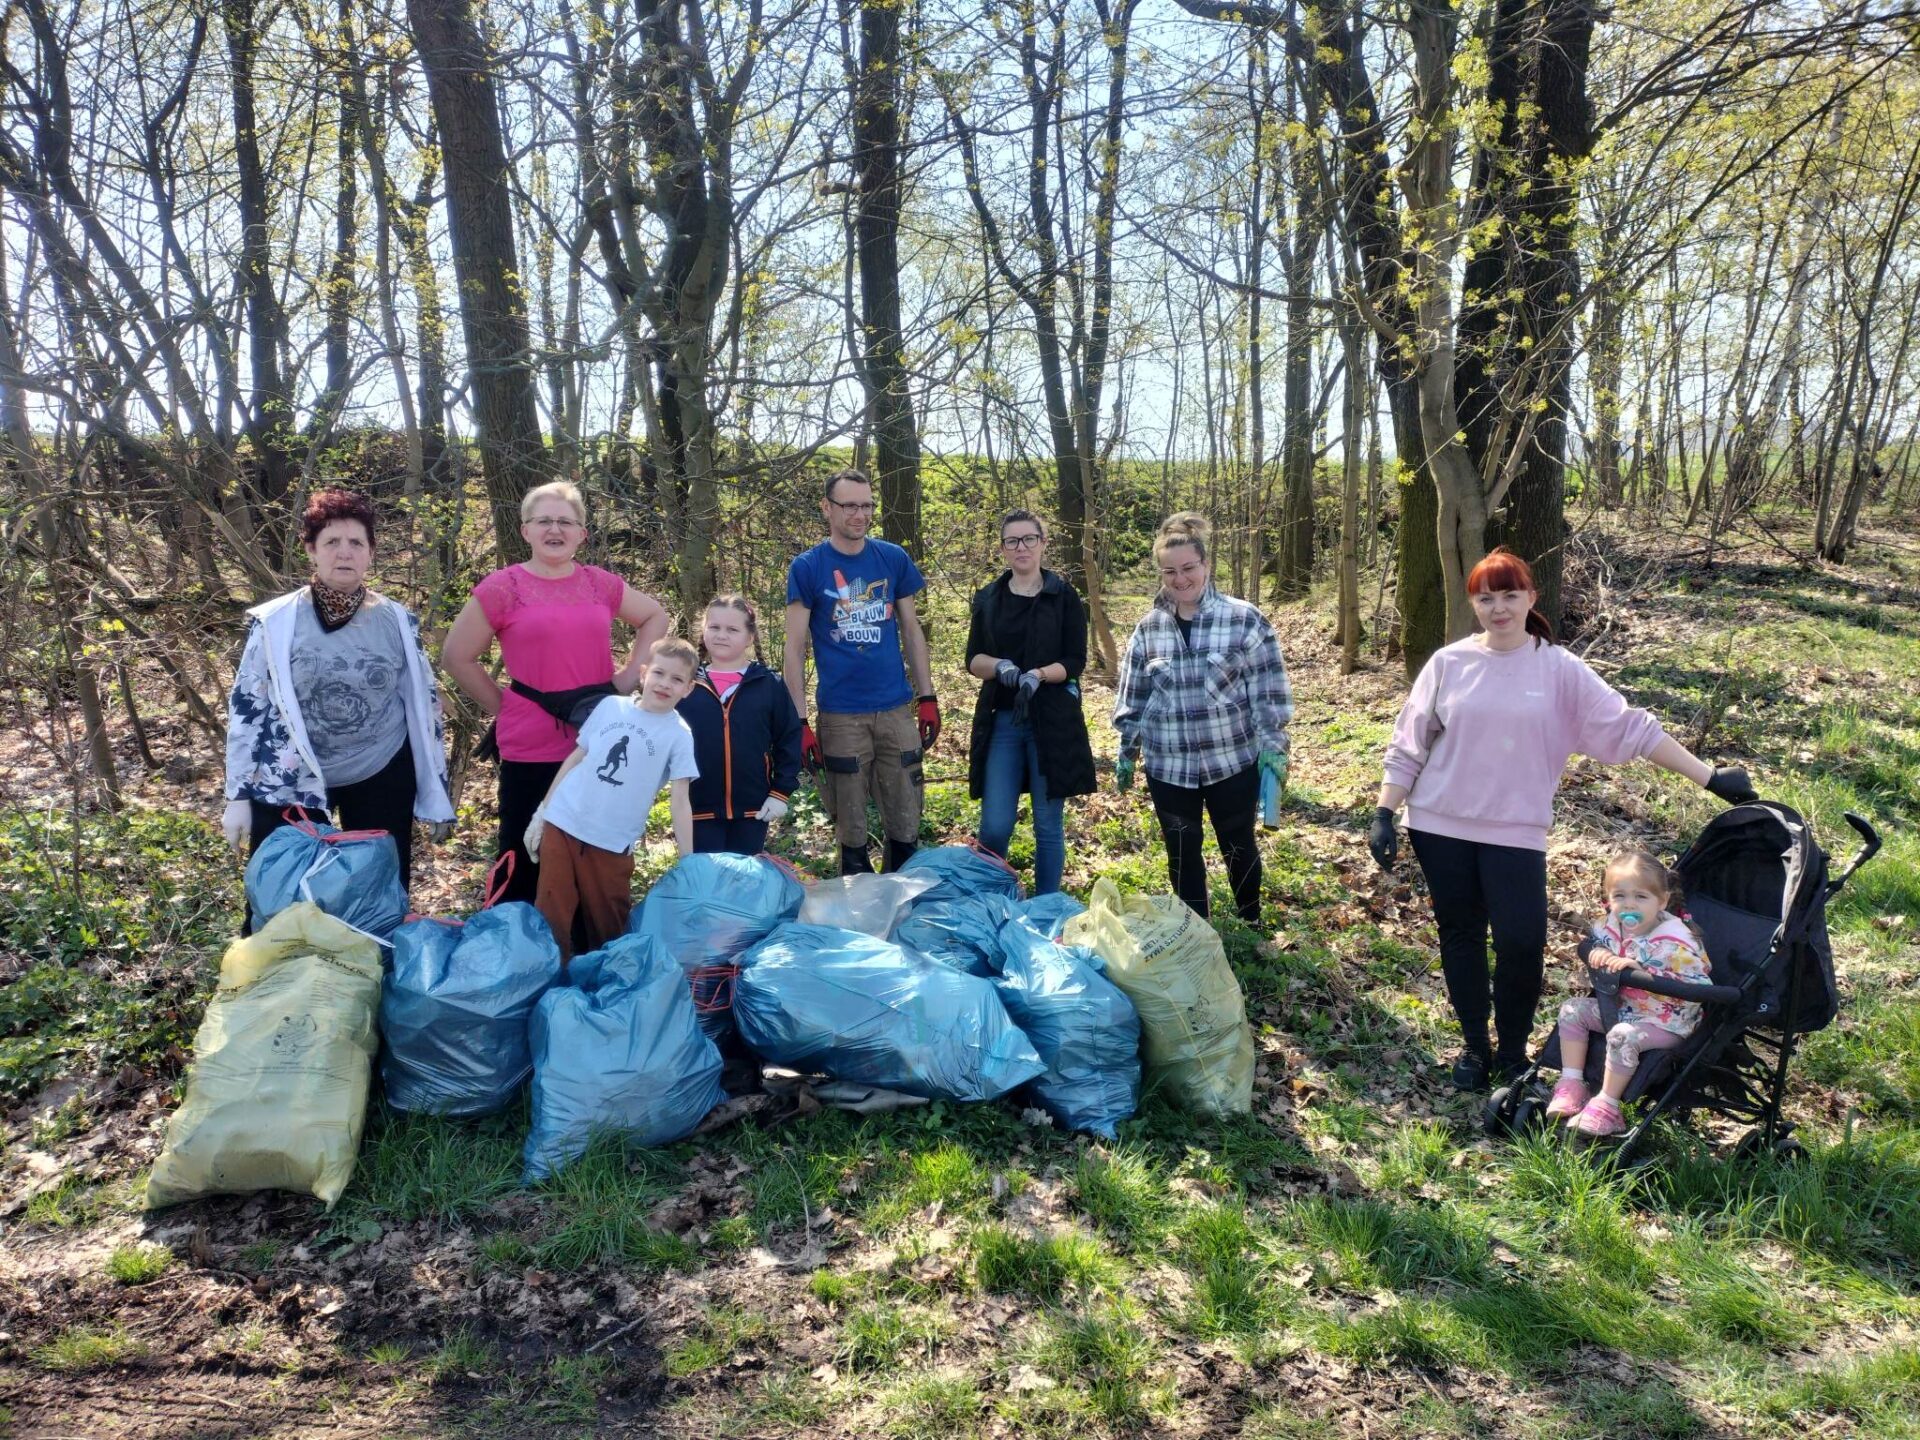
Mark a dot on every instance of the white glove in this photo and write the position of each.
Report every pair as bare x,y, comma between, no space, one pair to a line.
774,809
439,831
236,823
536,827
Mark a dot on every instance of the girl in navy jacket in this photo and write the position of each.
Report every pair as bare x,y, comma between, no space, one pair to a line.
746,734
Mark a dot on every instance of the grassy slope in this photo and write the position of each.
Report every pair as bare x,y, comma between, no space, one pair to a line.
1354,1255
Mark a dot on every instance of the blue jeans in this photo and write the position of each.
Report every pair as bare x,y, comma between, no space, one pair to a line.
1013,766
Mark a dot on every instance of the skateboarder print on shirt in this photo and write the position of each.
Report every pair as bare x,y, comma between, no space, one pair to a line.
615,762
861,610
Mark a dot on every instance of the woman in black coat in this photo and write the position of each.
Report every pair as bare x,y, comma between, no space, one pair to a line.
1028,644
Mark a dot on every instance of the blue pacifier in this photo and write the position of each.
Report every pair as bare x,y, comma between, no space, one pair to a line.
1631,917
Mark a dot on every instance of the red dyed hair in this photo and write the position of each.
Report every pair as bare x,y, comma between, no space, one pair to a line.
1504,570
327,506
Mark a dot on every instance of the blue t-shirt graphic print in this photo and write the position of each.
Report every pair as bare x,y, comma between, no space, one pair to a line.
858,665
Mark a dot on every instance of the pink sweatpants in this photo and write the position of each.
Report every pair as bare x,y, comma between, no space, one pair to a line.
1625,1041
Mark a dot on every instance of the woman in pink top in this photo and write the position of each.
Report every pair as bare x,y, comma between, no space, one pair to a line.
554,620
1476,757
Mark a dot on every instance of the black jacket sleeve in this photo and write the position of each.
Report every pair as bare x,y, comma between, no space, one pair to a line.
1073,633
784,723
977,638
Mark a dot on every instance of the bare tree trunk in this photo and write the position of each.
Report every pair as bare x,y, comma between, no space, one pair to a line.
877,147
486,264
270,407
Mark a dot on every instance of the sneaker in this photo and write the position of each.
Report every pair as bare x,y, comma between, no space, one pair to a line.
1470,1071
1600,1118
1570,1097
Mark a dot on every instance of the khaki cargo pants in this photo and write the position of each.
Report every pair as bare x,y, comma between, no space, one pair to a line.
877,753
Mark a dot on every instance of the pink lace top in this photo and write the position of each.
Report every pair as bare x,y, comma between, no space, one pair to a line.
554,634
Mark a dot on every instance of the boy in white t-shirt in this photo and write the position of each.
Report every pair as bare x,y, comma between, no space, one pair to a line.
596,809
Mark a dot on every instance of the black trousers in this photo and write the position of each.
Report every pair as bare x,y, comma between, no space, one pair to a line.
523,785
1231,804
737,837
1478,888
382,801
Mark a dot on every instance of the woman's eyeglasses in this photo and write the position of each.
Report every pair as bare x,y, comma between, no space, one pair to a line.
551,522
1021,542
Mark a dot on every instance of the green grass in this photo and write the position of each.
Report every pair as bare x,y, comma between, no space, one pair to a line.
713,1342
423,1167
84,1347
598,1208
1043,1269
138,1264
881,1336
934,1407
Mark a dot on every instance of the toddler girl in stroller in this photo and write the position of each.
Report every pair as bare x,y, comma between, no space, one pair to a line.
1639,929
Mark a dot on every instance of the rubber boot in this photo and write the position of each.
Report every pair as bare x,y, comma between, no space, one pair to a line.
855,860
898,853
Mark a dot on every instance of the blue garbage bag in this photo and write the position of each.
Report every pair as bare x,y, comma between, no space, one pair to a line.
706,911
963,871
963,935
353,875
454,1010
1049,914
1081,1023
871,1011
616,1050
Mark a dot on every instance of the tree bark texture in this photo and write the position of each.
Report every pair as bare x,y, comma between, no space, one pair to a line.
493,311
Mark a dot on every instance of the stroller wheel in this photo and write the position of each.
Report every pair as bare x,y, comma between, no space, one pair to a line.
1498,1115
1530,1116
1753,1144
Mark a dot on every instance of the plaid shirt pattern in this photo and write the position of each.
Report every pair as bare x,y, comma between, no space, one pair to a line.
1202,710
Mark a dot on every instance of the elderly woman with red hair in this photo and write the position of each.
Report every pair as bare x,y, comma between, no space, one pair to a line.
334,706
1476,758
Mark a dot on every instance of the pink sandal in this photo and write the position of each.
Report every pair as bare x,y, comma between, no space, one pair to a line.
1570,1097
1601,1118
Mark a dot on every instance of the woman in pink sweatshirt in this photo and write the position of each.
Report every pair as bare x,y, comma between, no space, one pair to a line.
1476,757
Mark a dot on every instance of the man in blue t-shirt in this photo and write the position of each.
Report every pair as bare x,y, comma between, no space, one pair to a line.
852,599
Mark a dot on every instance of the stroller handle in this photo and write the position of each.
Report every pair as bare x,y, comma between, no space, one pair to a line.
1660,984
1869,847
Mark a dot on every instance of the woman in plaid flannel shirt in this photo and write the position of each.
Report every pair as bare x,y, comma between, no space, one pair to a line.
1203,700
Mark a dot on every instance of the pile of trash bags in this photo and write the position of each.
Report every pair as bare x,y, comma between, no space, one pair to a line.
938,982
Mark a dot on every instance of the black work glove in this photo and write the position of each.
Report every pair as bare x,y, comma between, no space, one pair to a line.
1730,783
1007,673
1023,697
1382,839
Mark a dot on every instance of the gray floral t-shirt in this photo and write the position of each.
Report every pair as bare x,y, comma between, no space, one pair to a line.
348,686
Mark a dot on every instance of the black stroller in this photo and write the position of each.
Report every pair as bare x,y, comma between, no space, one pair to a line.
1756,886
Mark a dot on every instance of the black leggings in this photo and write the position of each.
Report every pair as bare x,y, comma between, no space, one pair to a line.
1477,888
523,785
1231,804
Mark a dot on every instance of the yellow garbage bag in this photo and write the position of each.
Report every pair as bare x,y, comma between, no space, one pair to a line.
277,1096
1193,1019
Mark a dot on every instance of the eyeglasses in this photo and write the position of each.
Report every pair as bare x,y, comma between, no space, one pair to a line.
1021,542
552,522
858,507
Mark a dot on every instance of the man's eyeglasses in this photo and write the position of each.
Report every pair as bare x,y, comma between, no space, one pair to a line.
1021,542
858,507
554,522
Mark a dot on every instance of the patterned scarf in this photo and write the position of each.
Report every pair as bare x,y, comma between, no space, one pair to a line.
335,609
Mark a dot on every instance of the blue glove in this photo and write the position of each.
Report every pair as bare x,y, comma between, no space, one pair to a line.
1007,673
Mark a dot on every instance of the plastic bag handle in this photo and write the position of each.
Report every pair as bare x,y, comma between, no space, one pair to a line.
785,867
973,844
492,892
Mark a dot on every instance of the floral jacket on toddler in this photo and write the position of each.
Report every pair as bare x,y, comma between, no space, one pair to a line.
1673,949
